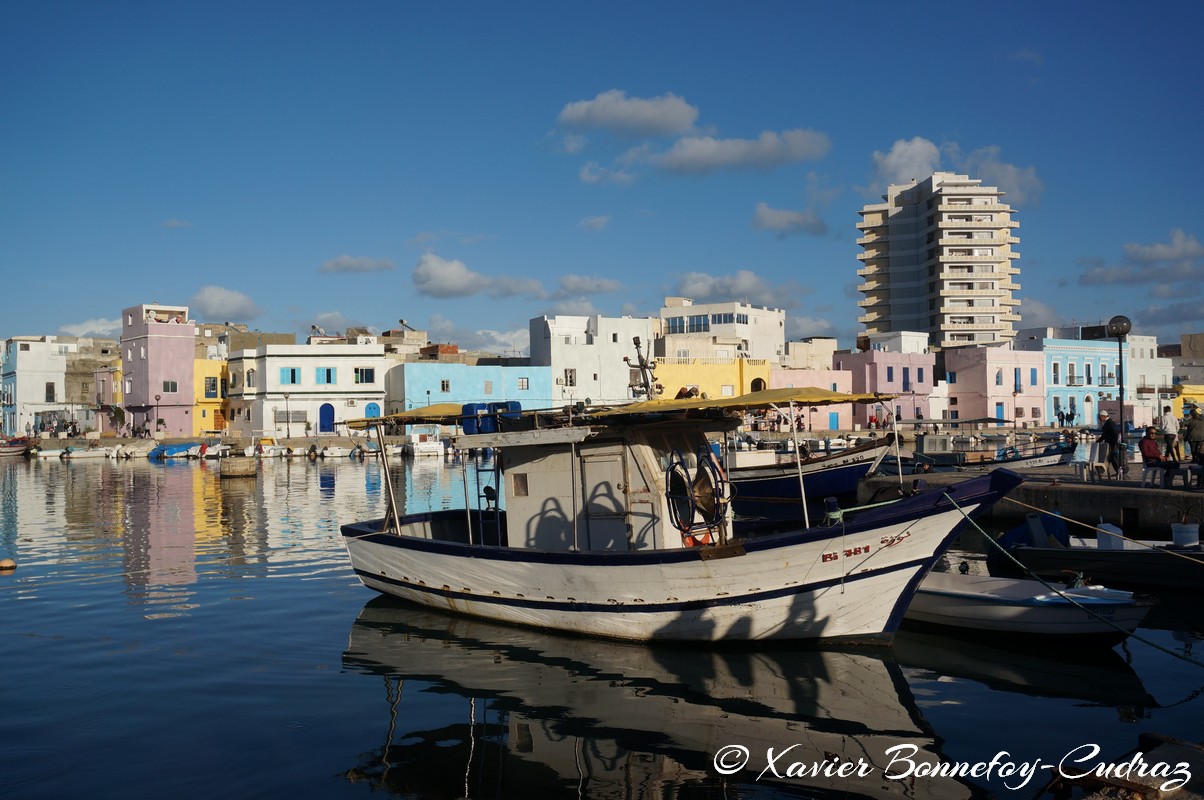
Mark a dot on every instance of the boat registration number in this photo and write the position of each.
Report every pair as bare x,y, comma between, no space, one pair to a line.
847,553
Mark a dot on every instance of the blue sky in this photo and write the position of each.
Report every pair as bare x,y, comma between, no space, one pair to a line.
469,166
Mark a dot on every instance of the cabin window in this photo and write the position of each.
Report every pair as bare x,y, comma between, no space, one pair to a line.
519,481
488,388
524,384
445,385
570,377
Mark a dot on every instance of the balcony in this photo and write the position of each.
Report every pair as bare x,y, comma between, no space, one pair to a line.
966,311
975,326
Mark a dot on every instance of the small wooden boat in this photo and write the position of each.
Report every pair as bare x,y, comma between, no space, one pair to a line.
988,606
17,446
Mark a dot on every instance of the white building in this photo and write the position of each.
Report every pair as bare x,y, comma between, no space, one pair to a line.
721,330
293,390
586,355
33,391
812,353
938,258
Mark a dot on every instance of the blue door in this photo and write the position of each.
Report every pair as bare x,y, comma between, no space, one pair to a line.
833,420
371,410
999,413
326,418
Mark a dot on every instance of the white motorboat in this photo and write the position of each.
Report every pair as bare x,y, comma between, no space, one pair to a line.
992,606
423,441
617,523
73,453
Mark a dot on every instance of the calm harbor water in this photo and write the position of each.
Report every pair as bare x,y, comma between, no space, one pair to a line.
168,633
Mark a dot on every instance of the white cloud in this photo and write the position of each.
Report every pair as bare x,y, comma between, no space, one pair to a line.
702,154
583,284
347,263
803,327
594,223
514,342
1181,246
614,111
94,327
514,287
439,277
578,307
1020,185
744,286
573,143
785,222
217,303
1036,314
1179,261
907,160
592,172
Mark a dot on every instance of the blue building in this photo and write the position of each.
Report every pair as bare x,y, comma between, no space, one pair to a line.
416,384
1080,375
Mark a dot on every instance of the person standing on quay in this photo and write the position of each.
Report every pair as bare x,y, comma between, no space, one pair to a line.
1170,434
1110,436
1193,432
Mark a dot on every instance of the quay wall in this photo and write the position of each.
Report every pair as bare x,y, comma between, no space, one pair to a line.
1135,508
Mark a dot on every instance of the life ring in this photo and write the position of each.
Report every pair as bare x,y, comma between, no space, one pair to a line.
697,539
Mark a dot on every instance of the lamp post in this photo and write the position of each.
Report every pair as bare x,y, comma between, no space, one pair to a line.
1119,326
288,427
1015,401
811,418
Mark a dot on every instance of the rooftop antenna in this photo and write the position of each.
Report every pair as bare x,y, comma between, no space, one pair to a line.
647,386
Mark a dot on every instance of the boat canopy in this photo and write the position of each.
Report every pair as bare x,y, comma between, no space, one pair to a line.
766,398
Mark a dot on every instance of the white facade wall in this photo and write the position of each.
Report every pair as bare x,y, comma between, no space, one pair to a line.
721,330
586,355
320,381
33,385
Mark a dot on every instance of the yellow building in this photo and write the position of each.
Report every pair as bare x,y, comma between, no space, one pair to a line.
209,408
714,377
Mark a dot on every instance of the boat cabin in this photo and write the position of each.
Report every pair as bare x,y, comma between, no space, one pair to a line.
606,487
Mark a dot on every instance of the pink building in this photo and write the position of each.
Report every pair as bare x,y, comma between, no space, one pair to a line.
822,418
997,383
908,375
157,351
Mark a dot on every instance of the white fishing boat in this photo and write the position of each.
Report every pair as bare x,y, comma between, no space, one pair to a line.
423,441
617,523
984,605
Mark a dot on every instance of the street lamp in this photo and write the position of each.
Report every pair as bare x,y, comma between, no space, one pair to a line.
288,427
1015,400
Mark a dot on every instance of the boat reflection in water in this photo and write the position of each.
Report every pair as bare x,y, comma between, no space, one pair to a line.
547,713
1096,676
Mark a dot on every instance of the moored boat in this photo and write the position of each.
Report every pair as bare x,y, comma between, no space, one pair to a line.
617,523
982,605
75,453
17,446
1042,546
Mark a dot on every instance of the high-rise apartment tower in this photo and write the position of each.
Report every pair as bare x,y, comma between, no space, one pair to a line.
938,258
